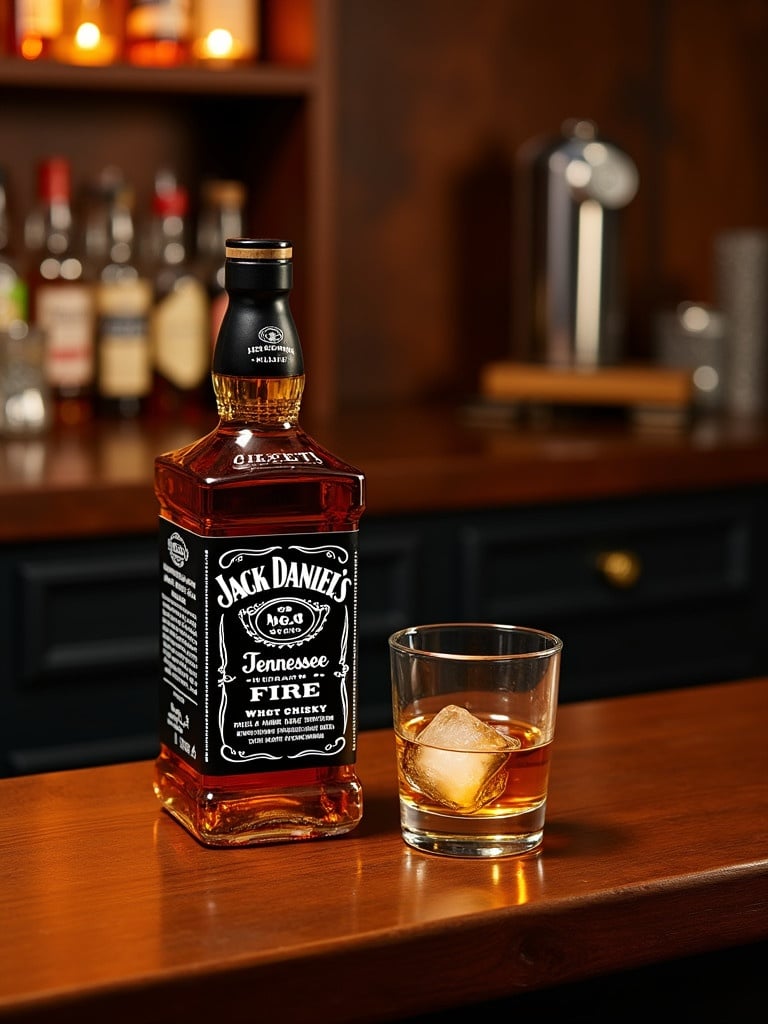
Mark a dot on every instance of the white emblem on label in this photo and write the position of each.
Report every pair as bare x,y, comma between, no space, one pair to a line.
284,621
178,550
271,335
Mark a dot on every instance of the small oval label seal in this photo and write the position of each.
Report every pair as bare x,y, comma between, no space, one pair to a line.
178,550
271,335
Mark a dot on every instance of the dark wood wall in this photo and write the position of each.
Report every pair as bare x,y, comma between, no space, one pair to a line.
436,97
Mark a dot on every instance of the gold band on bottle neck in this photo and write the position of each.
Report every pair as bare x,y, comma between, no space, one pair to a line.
233,253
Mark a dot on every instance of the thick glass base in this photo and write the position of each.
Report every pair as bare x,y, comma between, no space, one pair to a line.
455,836
272,809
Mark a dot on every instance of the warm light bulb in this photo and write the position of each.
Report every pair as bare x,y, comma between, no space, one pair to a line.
219,43
31,48
87,36
225,32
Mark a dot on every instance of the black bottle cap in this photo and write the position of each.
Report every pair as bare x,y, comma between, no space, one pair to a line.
260,263
261,249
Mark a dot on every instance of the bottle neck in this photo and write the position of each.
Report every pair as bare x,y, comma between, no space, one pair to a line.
258,366
119,244
266,403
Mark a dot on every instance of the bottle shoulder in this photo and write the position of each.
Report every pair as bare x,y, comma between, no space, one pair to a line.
248,482
233,455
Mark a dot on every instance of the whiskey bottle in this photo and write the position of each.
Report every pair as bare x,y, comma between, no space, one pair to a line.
158,32
258,552
62,293
179,322
123,306
91,32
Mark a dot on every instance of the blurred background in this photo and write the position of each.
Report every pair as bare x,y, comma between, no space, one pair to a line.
434,101
383,138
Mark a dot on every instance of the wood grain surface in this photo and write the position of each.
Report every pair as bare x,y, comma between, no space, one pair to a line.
656,846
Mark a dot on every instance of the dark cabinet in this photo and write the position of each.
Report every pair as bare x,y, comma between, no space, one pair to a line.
688,610
80,617
80,653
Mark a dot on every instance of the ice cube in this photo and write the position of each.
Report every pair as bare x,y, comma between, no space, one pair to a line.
459,760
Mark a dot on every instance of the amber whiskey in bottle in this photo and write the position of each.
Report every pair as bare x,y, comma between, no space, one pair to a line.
259,579
91,32
158,32
62,293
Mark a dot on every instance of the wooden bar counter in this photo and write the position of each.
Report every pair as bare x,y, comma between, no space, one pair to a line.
656,848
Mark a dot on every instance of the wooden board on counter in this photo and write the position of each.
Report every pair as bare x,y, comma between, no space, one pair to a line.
631,386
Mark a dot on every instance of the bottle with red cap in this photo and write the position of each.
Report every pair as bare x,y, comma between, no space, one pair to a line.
62,293
179,325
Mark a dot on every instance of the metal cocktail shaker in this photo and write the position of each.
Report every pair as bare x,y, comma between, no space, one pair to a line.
569,272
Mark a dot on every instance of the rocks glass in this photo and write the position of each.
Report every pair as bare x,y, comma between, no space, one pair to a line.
474,708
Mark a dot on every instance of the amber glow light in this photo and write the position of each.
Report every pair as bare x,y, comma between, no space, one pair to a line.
225,31
88,36
219,44
31,48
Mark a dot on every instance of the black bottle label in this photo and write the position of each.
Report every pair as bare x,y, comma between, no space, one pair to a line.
259,650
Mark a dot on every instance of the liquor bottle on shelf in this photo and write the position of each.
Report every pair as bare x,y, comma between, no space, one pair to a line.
62,293
36,27
123,305
222,216
158,33
225,32
259,567
91,32
181,347
14,306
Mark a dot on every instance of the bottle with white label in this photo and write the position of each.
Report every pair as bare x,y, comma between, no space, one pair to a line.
63,297
123,305
259,583
179,323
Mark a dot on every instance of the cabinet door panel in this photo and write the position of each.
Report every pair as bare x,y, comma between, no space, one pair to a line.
81,653
87,616
684,619
390,561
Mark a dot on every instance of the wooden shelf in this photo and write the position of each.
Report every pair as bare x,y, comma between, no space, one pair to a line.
261,79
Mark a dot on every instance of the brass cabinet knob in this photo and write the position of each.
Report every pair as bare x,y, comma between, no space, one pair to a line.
620,569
